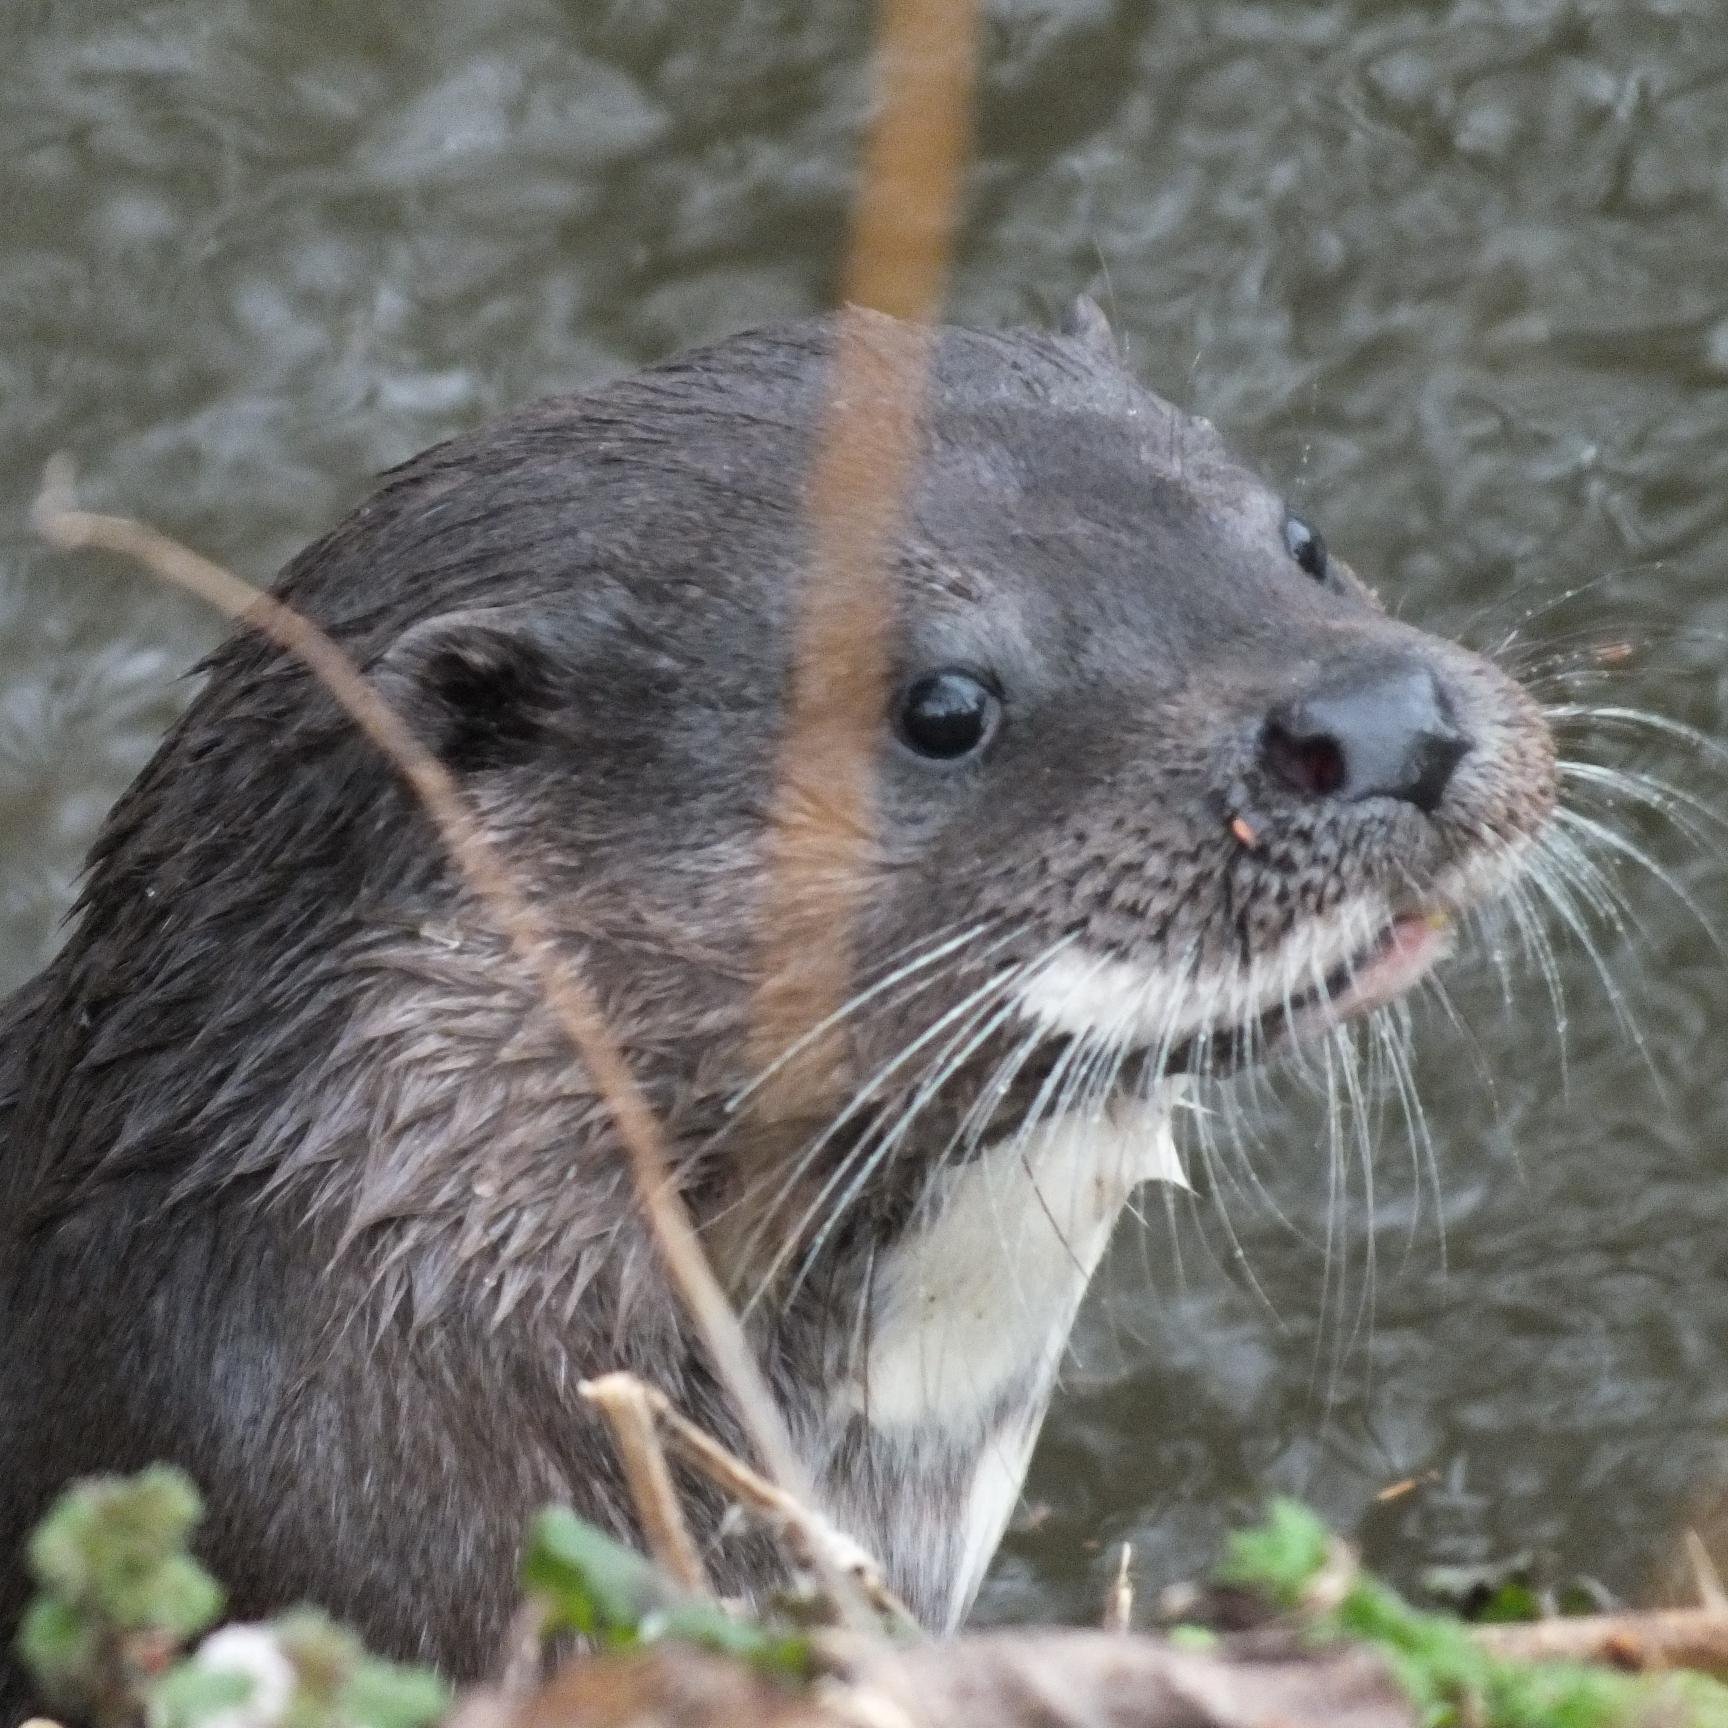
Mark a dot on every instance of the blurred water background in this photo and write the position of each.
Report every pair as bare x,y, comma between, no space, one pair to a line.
1456,272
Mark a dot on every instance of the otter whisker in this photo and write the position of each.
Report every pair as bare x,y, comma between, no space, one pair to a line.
1555,868
873,1153
1568,844
975,1123
1239,1105
1211,1150
863,1095
1664,725
1070,1073
1689,814
1615,842
1089,1101
1045,1096
861,1155
1588,655
1335,1258
1078,1059
1533,938
1548,604
964,1143
945,947
1391,1030
1356,1097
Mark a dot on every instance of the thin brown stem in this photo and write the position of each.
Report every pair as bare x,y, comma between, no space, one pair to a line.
494,885
622,1399
816,1544
822,854
1694,1638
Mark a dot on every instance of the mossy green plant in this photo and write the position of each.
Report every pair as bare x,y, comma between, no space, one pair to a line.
1452,1681
120,1598
590,1584
110,1636
118,1593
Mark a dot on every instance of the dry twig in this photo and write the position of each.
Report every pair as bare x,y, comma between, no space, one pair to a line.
815,1544
1119,1599
1695,1638
623,1400
822,831
494,884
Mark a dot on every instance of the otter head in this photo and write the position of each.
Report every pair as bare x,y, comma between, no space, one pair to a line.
1157,785
1150,724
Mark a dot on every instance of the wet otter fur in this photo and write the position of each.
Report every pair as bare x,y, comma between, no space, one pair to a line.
299,1186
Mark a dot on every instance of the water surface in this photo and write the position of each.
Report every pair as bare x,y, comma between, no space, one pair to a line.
1455,272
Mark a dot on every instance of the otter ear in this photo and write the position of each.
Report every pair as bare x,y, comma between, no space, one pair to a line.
478,688
1084,322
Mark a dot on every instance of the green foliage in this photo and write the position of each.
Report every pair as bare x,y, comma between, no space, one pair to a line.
1512,1603
1451,1680
1201,1640
117,1547
1279,1558
589,1583
609,1593
119,1597
118,1593
300,1671
189,1694
337,1683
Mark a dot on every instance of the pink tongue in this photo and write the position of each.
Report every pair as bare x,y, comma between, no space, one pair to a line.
1412,945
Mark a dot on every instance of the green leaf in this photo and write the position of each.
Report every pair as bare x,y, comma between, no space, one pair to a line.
1201,1639
57,1645
598,1587
188,1694
1513,1603
787,1654
591,1583
115,1547
387,1695
1279,1557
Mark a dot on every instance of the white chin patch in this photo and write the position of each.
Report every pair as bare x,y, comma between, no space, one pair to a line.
1137,1005
984,1288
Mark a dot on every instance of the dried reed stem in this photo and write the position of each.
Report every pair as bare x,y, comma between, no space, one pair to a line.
821,842
816,1544
1119,1599
1638,1641
622,1399
494,884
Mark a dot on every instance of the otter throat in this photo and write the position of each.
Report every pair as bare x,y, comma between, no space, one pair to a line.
968,1319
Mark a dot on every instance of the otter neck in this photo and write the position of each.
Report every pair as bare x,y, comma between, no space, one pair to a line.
920,1437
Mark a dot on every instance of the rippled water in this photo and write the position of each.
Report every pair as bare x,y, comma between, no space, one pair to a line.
1457,273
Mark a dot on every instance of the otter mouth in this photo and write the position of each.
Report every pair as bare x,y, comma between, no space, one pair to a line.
1369,977
1323,978
1394,963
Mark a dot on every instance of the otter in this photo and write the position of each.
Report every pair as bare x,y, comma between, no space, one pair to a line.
301,1188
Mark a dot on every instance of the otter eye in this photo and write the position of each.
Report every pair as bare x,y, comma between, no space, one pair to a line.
1306,547
948,714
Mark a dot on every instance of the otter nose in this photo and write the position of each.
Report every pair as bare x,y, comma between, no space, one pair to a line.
1383,729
